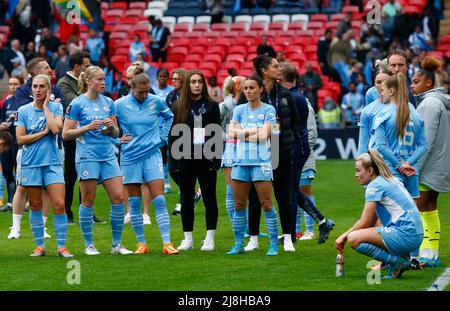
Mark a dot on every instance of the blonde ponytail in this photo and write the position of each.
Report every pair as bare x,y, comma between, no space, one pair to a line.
398,82
85,76
374,160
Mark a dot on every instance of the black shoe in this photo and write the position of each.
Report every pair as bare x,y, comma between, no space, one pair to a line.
98,220
415,265
6,208
70,221
324,230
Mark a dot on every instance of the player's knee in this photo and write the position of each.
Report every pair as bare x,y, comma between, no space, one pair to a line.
117,198
239,204
266,205
353,240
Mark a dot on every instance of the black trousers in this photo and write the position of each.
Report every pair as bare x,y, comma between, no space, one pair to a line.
282,194
70,174
190,171
8,160
157,54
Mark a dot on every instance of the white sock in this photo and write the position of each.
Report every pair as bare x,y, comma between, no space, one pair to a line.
44,219
210,235
16,221
287,238
254,238
188,236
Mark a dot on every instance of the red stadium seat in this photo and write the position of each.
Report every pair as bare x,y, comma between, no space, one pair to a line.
282,41
178,35
251,56
204,42
208,65
189,65
231,64
257,27
193,34
294,48
285,33
238,49
133,13
217,49
276,26
181,28
170,66
268,33
122,28
247,65
200,27
357,24
319,18
115,13
295,26
119,5
316,25
120,35
181,42
177,54
299,57
243,41
237,27
122,51
245,72
337,17
215,58
225,42
229,34
193,57
235,57
211,34
248,34
138,5
197,49
219,27
305,33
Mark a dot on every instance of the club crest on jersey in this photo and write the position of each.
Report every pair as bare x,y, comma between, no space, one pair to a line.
106,109
85,173
24,180
152,107
261,116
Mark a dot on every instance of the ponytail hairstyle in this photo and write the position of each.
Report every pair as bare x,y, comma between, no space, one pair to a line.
372,159
139,79
85,76
429,66
231,84
398,82
182,105
261,62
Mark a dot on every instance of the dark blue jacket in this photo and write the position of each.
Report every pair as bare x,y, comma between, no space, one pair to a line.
301,145
9,109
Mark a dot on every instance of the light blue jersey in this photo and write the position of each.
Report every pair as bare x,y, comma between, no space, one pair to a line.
394,150
366,125
141,121
395,207
372,94
92,145
164,92
44,151
253,153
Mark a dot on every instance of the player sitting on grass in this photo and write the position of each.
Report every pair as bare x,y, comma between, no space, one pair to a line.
387,200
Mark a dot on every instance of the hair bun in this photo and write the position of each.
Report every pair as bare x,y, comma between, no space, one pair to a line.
431,63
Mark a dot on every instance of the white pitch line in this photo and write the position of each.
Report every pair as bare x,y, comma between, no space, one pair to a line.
441,282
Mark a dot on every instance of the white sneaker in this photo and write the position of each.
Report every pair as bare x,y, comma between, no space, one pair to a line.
208,246
147,220
46,235
91,250
185,245
120,249
288,246
127,218
308,236
13,234
251,246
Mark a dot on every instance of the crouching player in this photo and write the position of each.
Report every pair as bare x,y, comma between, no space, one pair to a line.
387,200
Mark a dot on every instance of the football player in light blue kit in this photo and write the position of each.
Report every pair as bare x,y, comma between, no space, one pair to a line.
90,119
368,114
387,200
400,133
139,115
37,128
252,125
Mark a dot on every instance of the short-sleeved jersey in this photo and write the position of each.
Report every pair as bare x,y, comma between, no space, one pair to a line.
44,151
253,153
372,94
92,145
164,92
366,123
141,121
395,206
394,150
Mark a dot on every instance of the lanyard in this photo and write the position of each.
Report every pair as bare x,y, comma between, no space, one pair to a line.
201,111
269,99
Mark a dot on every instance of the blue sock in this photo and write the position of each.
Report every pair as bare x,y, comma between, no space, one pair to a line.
2,186
378,253
166,174
162,217
116,217
37,227
239,225
309,221
137,221
86,216
298,223
272,225
229,202
60,225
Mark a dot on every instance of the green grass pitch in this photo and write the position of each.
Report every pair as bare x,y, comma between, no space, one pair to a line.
311,267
